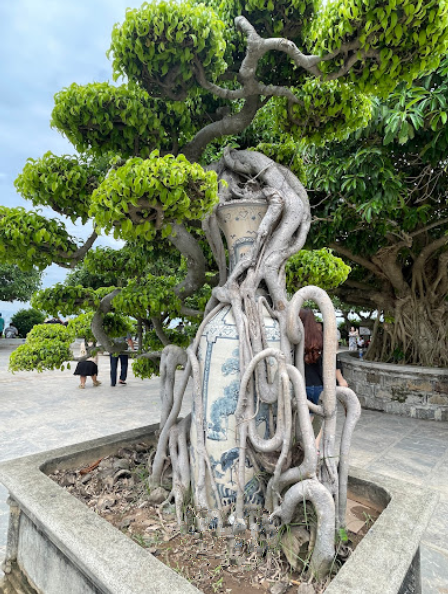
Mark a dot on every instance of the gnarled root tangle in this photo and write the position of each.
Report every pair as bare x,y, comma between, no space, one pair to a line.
286,457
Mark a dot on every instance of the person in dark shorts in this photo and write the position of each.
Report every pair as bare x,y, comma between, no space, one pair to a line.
85,369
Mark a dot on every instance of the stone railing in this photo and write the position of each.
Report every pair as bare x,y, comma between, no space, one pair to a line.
419,392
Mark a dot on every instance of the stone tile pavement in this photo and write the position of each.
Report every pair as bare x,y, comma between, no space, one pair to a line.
44,411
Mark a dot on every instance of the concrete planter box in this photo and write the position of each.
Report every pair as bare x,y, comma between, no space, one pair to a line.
57,545
408,390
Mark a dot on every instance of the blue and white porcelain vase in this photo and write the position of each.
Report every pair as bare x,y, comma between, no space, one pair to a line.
218,356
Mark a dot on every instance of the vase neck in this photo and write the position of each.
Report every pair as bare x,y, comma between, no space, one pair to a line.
240,222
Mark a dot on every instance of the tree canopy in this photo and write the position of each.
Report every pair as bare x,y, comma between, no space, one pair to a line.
194,78
17,285
383,207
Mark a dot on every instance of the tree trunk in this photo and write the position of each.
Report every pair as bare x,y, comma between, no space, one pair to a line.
414,332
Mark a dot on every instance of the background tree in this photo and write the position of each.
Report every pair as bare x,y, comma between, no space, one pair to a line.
25,319
17,285
383,207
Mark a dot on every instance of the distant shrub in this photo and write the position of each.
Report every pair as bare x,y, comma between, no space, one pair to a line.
25,319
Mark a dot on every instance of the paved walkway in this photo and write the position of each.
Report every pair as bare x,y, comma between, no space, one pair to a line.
44,411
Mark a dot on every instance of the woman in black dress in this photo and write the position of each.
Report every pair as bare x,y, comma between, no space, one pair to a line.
85,368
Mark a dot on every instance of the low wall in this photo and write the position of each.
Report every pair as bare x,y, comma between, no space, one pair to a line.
408,390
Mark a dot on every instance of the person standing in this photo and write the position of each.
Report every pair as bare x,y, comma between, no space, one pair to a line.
2,325
124,360
352,339
314,344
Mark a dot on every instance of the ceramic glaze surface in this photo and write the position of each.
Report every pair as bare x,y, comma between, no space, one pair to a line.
218,357
240,222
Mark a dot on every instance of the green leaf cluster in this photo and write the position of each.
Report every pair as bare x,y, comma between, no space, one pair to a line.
417,115
379,191
315,267
366,189
81,326
147,368
326,111
67,300
143,196
115,326
17,285
65,183
28,239
47,347
124,120
396,40
151,296
158,45
108,267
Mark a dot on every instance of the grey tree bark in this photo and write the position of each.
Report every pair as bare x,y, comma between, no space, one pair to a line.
321,481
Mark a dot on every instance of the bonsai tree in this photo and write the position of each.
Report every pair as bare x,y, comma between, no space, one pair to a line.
384,209
153,168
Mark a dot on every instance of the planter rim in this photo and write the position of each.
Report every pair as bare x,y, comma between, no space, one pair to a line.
420,370
117,565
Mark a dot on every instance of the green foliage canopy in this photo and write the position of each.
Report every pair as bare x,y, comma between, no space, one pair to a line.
17,285
29,239
385,41
124,120
47,347
25,319
315,267
157,45
147,195
326,111
65,183
68,300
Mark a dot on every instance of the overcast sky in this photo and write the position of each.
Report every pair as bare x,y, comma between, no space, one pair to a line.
46,45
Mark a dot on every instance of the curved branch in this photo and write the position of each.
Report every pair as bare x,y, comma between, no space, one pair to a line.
424,256
82,251
150,355
352,408
190,248
190,312
258,47
230,124
158,327
358,259
429,227
97,322
312,490
213,235
251,87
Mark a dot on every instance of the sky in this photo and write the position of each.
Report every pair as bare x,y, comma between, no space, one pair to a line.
45,45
